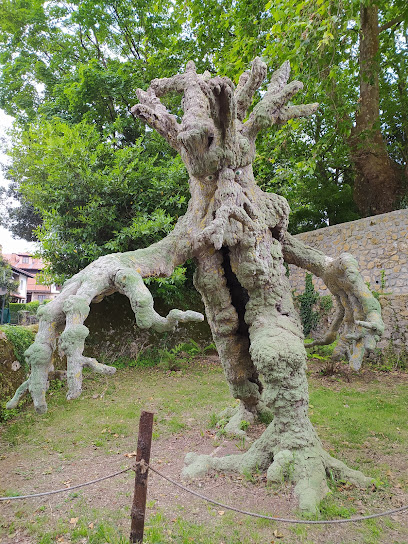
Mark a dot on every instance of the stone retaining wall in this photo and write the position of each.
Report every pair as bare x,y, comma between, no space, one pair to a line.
380,245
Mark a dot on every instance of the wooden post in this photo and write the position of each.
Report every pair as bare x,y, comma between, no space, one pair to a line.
144,443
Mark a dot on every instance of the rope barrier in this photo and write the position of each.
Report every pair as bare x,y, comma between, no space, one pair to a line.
66,488
200,496
282,520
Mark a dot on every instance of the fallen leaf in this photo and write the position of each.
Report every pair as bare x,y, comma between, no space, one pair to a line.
278,534
73,521
221,512
132,454
91,526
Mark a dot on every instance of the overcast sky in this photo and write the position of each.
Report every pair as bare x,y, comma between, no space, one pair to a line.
9,244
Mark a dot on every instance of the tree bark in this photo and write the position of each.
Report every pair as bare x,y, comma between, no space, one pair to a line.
238,236
378,180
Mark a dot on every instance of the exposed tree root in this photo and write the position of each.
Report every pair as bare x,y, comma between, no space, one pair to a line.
307,467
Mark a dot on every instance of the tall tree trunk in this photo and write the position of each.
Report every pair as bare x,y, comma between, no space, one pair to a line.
238,237
378,178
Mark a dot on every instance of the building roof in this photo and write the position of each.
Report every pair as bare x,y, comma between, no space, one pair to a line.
17,259
22,272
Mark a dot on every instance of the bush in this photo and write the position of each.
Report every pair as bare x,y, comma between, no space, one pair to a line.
312,306
21,339
16,307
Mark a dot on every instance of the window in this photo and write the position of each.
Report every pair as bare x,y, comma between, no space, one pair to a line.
41,298
26,259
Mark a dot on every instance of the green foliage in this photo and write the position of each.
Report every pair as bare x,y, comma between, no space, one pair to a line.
177,357
307,301
325,303
308,160
31,307
95,197
98,181
162,356
21,338
5,413
244,425
94,177
321,352
378,292
170,289
16,307
390,358
311,305
7,283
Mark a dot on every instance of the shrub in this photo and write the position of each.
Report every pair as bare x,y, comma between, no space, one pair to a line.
21,339
312,305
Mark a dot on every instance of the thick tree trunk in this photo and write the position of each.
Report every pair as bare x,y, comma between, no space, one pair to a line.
378,178
238,236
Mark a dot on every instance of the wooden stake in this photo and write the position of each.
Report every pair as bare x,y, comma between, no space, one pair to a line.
144,443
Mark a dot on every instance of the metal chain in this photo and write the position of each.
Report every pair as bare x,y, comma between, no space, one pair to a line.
282,520
65,488
145,465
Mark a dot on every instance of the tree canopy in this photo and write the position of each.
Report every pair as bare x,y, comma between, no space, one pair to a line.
7,284
94,180
352,58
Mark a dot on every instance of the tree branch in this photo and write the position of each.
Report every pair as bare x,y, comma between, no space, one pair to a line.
361,311
268,110
122,272
248,84
394,22
155,114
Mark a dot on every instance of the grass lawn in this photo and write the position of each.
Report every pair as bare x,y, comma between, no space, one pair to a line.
361,419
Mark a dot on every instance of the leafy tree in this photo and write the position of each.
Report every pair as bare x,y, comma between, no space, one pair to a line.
94,197
79,63
355,69
90,178
7,284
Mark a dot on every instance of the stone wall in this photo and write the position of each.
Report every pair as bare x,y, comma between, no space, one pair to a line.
380,245
395,315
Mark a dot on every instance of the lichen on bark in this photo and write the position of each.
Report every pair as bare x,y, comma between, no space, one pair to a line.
238,236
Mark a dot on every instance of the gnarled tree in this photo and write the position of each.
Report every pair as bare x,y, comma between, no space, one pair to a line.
238,236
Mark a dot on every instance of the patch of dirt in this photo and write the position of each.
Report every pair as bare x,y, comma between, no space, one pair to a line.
48,471
36,469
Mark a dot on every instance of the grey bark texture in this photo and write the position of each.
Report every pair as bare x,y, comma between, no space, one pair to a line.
238,236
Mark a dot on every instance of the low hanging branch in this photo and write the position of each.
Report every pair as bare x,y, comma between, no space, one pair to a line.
238,236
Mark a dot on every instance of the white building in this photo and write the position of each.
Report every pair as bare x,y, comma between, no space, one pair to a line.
20,276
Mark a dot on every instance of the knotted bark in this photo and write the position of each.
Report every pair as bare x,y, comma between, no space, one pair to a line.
238,236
